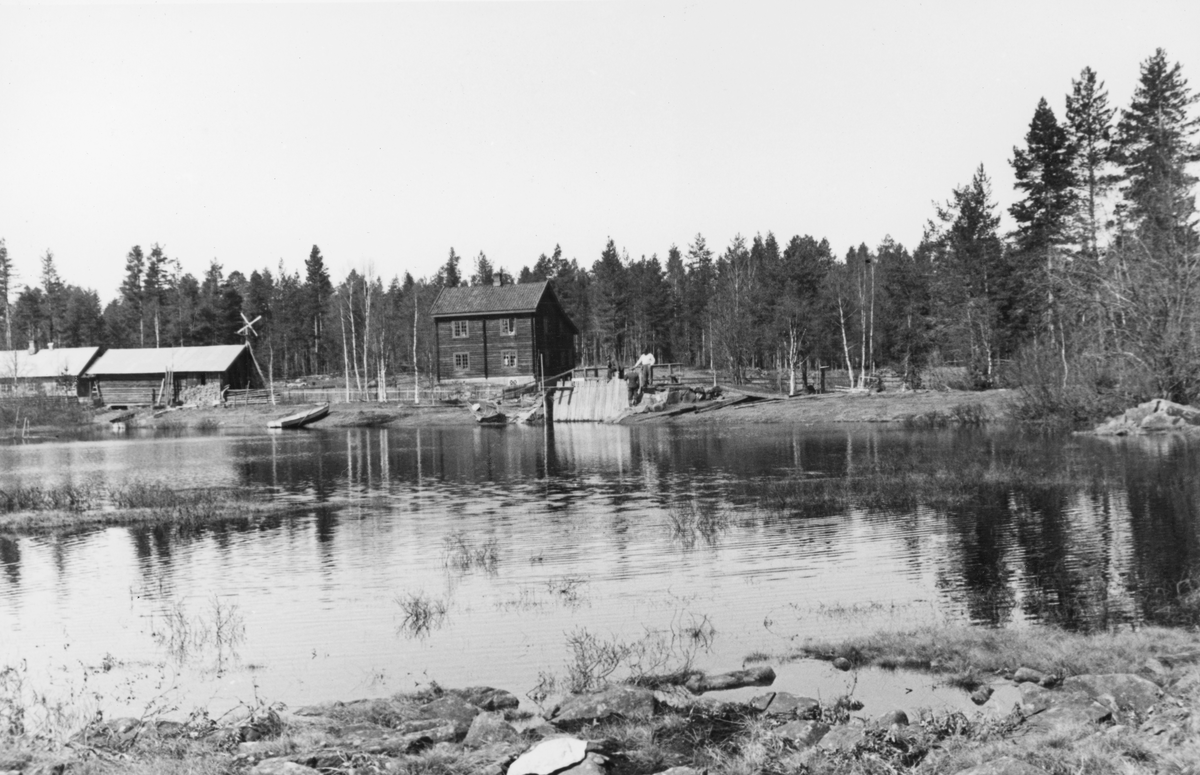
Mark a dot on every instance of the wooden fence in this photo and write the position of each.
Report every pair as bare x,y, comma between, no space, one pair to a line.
428,396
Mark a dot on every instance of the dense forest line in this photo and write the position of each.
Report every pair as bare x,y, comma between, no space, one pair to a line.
1091,298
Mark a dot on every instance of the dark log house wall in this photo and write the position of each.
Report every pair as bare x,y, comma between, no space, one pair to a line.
485,347
513,331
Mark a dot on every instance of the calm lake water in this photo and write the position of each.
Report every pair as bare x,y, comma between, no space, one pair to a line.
524,540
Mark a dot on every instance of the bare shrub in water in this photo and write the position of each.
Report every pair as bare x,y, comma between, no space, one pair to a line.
568,589
422,613
460,553
217,632
36,717
658,658
695,520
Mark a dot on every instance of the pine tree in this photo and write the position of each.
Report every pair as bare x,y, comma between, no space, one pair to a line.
153,287
971,276
1089,129
131,289
1154,146
318,289
448,276
1044,175
485,274
54,297
5,287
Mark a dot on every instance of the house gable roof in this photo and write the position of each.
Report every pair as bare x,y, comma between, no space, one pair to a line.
156,360
46,364
488,299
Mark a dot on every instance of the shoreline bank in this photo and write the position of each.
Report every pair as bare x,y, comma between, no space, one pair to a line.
911,409
1125,702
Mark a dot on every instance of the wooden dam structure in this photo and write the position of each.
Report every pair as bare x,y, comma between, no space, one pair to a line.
589,399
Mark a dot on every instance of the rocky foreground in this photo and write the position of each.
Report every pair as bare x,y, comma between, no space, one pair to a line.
1085,723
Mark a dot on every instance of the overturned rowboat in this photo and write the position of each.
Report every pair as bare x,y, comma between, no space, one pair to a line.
300,418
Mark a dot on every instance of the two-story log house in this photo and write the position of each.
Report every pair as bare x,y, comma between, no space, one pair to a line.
502,333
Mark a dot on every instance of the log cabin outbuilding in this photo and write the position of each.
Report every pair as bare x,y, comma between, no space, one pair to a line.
502,333
158,375
51,371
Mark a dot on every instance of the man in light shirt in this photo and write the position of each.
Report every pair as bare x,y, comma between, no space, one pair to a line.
645,365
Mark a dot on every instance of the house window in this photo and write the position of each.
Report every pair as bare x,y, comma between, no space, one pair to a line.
458,329
509,358
462,360
508,326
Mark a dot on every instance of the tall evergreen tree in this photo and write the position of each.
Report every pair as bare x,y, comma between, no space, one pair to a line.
609,298
318,289
54,297
971,276
5,289
449,276
701,285
1044,172
1045,178
485,274
154,288
1154,146
1089,129
131,291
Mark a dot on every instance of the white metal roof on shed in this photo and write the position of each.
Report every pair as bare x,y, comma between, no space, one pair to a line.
156,360
45,364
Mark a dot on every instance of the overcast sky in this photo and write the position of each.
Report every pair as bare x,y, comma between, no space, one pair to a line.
387,133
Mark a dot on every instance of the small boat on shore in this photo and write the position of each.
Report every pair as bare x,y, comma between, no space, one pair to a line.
487,413
300,418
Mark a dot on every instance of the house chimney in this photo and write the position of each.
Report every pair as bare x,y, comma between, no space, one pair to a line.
496,281
49,345
32,347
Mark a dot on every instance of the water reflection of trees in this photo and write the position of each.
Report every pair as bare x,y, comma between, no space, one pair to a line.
1012,527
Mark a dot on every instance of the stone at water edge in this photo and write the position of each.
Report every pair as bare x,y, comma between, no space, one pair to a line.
981,695
1028,675
893,717
550,756
487,698
843,664
1129,692
623,701
843,738
802,734
755,676
488,728
453,710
